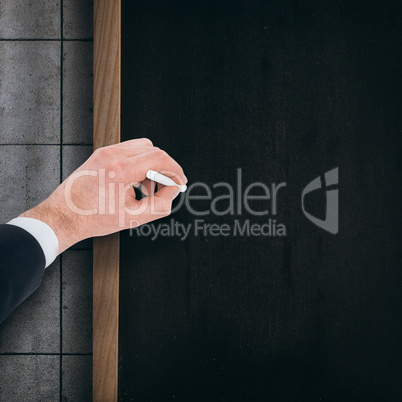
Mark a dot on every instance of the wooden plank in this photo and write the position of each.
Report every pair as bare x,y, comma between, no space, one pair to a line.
105,317
107,59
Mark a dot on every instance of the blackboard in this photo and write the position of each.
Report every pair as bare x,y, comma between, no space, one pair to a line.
284,93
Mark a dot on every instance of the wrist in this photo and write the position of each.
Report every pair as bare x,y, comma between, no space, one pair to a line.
59,219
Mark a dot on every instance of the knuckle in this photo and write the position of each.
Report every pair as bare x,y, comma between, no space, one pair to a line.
181,172
104,152
163,155
147,141
96,153
97,156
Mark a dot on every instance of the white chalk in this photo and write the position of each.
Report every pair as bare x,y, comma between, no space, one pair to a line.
162,179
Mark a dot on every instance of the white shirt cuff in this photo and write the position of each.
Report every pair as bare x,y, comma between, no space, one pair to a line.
43,233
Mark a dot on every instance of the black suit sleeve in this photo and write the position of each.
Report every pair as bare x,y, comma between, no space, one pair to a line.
21,267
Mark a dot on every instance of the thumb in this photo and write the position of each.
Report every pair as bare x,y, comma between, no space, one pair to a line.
156,206
163,198
168,192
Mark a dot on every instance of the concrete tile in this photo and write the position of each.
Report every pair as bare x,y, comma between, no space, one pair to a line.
28,175
77,92
29,378
73,157
77,378
38,19
34,326
78,19
77,301
29,92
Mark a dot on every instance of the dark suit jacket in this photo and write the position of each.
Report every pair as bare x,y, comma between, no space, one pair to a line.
21,267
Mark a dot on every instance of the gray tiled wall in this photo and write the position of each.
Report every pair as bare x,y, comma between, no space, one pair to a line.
45,133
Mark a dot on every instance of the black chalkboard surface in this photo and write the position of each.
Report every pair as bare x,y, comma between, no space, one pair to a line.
273,298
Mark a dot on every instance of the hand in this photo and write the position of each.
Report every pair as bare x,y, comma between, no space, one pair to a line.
98,198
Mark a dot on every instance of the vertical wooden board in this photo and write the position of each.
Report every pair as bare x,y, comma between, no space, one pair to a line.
107,39
107,68
105,317
286,91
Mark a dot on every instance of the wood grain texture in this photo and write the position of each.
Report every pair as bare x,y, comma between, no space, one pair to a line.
107,34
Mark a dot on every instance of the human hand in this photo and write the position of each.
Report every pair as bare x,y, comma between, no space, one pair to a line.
98,198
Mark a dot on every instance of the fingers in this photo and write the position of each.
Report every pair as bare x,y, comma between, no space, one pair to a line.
134,143
156,160
150,208
148,187
164,197
112,157
113,152
128,152
132,159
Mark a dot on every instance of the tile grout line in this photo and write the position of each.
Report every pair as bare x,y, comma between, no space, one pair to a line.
44,40
61,330
49,144
61,179
42,354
